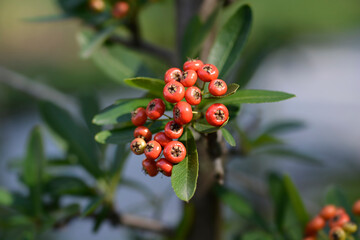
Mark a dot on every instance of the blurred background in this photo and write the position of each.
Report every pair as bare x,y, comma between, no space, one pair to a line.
309,48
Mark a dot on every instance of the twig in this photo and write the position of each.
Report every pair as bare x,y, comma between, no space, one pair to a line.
36,89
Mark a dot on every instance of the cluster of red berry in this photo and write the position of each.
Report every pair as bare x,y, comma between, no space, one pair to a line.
174,92
338,221
119,10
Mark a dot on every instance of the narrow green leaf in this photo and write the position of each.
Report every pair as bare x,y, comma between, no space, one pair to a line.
232,88
239,205
79,140
89,105
249,96
187,221
283,126
265,140
334,195
153,85
6,198
68,185
34,166
92,206
228,137
92,44
203,127
296,202
231,40
257,235
120,156
185,174
113,113
280,199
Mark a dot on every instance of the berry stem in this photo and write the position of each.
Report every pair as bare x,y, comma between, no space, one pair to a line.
167,116
151,123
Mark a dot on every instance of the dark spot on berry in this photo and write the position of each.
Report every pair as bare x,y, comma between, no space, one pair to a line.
149,147
185,74
176,76
136,146
196,94
177,113
218,84
175,127
207,68
133,113
172,88
219,114
176,151
152,106
335,236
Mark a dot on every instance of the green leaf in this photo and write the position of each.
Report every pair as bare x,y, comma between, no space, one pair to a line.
113,113
153,85
265,140
290,154
280,199
239,205
68,185
203,127
120,156
90,45
34,166
296,202
185,174
195,34
186,223
231,40
79,140
283,126
257,235
89,105
249,96
6,198
228,137
232,88
92,206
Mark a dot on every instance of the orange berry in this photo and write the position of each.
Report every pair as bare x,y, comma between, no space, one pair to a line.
310,238
356,208
328,212
340,218
316,224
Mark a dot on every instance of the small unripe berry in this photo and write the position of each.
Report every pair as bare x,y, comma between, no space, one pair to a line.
337,233
137,146
97,5
350,227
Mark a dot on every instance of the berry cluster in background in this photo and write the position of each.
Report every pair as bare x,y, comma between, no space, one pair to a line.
179,91
336,220
119,9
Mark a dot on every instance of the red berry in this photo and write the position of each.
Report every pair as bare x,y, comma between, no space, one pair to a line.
217,114
120,9
149,167
329,211
193,64
193,95
208,72
182,113
340,218
155,109
217,87
175,152
189,78
138,117
174,92
161,138
173,130
316,224
138,146
356,208
173,74
164,166
152,150
143,132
